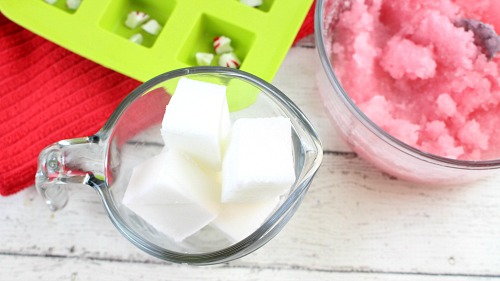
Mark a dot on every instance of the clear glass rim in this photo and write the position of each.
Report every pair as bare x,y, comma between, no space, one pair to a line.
264,233
370,125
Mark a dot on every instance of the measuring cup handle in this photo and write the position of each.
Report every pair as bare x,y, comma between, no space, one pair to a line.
68,161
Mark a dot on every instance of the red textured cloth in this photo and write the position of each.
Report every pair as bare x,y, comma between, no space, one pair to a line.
48,94
308,24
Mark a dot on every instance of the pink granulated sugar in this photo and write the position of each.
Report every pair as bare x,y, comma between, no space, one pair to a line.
417,74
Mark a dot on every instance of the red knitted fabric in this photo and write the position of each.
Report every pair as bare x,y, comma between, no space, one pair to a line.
49,94
308,24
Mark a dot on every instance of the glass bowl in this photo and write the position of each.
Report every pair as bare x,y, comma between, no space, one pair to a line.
369,140
105,160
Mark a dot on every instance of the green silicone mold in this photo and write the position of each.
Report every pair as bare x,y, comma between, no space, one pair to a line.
260,36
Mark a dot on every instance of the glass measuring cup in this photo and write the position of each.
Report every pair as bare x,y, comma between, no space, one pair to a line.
105,160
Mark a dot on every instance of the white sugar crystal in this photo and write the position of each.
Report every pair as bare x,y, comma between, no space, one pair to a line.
222,44
229,60
52,2
258,163
197,121
136,38
152,27
238,220
136,18
252,3
73,4
204,59
173,194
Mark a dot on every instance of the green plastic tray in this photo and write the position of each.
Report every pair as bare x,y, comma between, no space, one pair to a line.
260,36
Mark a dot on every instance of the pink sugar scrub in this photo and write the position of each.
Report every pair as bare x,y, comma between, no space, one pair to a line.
425,71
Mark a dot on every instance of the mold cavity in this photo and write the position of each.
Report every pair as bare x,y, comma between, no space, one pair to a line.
116,14
61,4
201,39
265,7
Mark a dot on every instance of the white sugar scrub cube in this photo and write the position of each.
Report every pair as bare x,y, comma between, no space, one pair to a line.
252,3
177,221
73,4
172,193
136,38
238,220
136,18
258,163
222,44
152,27
204,59
229,60
197,121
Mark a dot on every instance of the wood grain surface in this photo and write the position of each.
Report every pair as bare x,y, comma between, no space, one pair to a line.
355,223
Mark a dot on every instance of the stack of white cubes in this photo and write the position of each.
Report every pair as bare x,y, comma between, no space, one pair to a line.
212,171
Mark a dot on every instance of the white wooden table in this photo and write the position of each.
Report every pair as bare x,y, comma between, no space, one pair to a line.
355,223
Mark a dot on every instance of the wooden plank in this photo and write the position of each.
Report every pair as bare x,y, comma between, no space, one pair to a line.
356,217
39,268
